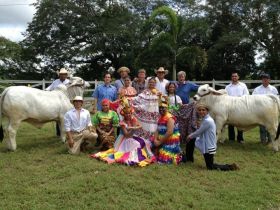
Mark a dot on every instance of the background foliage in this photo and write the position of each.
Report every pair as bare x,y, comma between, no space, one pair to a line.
206,40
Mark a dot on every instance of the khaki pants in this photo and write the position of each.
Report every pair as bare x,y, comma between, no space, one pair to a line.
79,139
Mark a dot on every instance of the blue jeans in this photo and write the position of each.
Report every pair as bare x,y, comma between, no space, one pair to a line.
264,135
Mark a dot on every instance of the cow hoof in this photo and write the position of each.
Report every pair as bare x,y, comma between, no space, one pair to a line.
10,149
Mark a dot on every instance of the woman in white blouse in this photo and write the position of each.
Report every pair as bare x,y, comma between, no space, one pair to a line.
174,100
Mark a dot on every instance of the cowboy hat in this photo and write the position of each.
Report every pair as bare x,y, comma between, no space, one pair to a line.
123,68
78,98
161,69
63,71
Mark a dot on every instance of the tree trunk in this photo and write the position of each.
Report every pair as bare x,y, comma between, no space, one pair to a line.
174,71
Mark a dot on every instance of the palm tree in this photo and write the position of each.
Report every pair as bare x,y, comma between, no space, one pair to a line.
171,36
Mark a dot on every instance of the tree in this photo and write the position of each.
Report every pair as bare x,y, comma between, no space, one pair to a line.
229,46
262,18
9,58
81,35
170,31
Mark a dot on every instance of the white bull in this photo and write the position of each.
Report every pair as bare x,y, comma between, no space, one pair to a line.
244,112
21,103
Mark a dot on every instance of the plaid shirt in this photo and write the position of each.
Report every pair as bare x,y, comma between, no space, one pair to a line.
139,87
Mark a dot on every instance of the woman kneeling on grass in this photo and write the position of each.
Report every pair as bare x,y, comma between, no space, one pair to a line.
129,148
167,137
206,140
106,122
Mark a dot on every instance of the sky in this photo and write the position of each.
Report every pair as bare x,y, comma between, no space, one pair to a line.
14,17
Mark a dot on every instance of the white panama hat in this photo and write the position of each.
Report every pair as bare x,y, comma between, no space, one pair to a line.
78,98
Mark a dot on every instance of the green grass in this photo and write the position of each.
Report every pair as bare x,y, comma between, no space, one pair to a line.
41,175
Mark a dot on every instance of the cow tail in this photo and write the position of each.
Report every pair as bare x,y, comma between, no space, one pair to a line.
1,106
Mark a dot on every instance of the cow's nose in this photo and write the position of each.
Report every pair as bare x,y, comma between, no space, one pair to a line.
195,98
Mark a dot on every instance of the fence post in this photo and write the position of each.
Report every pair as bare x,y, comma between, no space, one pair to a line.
95,84
213,83
43,84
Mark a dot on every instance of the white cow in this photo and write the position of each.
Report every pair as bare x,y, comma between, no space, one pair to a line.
244,112
21,103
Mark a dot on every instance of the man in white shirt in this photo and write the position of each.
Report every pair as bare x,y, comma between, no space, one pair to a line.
78,127
265,89
236,89
63,74
161,82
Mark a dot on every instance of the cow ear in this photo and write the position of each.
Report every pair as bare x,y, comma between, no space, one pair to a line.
214,92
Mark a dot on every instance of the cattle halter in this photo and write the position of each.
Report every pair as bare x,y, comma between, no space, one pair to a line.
201,95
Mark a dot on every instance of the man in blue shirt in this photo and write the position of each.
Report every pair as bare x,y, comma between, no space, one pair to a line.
105,90
185,87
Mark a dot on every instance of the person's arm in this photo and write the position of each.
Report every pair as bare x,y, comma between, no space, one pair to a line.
194,87
95,121
169,132
136,125
126,132
246,91
203,127
254,92
179,100
95,96
50,88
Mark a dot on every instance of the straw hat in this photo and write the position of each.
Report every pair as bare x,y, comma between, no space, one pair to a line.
161,69
123,68
63,71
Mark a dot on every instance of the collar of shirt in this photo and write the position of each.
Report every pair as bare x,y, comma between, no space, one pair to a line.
231,84
109,85
74,110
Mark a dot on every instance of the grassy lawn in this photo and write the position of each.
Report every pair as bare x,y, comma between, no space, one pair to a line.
41,175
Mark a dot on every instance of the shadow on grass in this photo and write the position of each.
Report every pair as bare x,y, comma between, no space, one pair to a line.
248,146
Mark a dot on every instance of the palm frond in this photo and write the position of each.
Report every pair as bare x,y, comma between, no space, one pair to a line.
170,15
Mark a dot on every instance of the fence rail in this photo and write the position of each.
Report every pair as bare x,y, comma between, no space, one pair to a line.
42,84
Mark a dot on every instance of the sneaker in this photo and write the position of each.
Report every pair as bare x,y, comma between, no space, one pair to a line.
233,167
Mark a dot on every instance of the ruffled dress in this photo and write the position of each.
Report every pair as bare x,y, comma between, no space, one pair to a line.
169,151
129,151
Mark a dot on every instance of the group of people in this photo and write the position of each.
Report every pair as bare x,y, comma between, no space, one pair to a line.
144,120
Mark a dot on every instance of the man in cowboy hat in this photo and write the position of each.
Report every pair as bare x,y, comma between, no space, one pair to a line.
123,71
63,74
265,89
161,82
78,127
62,80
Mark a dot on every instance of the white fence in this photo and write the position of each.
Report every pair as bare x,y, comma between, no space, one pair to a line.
42,84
